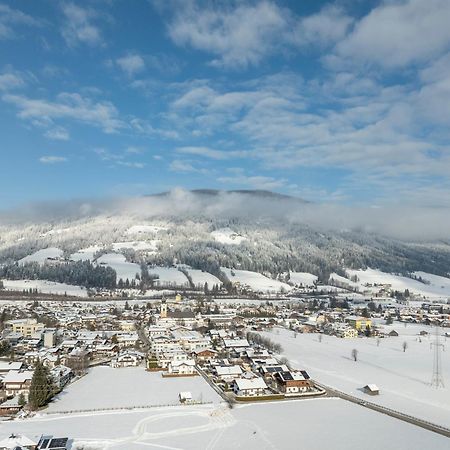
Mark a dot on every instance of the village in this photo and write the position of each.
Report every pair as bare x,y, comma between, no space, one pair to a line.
225,342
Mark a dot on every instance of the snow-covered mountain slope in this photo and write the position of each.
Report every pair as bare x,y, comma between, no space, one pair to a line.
205,230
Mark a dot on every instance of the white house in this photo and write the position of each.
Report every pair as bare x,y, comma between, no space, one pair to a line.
253,387
186,367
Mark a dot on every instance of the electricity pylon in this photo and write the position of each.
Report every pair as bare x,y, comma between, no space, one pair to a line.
437,379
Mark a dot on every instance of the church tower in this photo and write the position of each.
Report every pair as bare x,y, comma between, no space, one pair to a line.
163,311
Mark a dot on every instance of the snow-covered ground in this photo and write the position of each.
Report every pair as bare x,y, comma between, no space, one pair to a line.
199,278
149,246
306,424
104,387
42,255
256,281
45,287
169,276
302,278
227,236
403,377
437,289
123,268
85,254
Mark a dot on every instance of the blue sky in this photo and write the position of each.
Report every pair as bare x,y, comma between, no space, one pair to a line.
345,101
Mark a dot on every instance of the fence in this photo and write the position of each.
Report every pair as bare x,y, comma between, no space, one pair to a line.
127,408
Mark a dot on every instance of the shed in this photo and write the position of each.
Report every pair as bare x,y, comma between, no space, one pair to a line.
185,397
371,389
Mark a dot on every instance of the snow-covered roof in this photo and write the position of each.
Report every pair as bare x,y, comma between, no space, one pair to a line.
228,370
253,383
14,376
16,440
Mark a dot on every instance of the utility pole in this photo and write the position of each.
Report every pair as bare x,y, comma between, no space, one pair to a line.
437,380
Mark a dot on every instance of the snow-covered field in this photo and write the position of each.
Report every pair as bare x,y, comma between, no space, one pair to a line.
169,276
45,287
149,246
104,387
403,377
227,236
256,281
85,254
199,278
123,268
438,287
306,424
302,278
42,255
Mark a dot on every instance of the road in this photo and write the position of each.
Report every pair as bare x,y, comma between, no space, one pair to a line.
390,412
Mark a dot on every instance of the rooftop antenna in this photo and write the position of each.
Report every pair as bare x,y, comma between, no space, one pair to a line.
437,380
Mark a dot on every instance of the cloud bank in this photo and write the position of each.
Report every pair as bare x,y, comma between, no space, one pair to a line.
424,224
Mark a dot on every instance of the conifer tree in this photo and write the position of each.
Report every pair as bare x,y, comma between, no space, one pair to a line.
41,389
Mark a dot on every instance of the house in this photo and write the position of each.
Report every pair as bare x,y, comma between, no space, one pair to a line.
127,359
293,382
61,376
393,333
371,389
10,407
204,354
227,373
253,387
17,441
52,443
16,382
6,366
181,368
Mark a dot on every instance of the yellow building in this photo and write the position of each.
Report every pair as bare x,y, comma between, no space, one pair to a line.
359,323
26,327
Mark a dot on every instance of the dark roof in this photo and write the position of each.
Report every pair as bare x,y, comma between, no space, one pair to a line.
50,443
181,314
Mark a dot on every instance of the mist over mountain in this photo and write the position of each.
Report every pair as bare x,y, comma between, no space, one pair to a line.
276,233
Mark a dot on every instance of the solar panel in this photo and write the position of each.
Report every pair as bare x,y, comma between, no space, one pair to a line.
58,443
305,374
43,443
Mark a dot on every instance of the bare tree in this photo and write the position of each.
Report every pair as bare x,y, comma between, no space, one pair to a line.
355,354
404,346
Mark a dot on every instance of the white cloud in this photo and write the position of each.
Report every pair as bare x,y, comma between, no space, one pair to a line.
178,165
398,33
255,182
211,153
58,134
78,27
52,159
326,27
239,37
11,18
131,64
10,80
68,106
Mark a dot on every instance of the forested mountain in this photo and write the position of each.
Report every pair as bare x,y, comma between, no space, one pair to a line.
259,231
